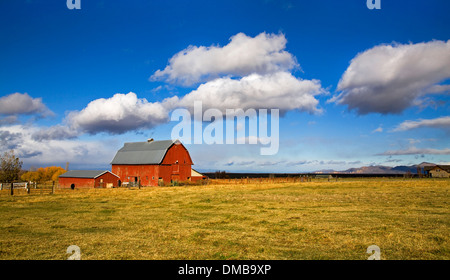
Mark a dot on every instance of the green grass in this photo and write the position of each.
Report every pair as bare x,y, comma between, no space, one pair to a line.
407,219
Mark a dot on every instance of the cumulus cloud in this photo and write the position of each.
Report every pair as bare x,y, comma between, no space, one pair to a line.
9,140
416,151
57,132
442,122
279,90
116,115
388,79
23,104
243,56
9,120
41,153
246,73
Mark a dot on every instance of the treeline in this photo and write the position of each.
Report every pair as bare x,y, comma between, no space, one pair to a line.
43,174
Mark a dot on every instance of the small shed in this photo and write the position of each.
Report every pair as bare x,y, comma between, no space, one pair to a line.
438,171
197,176
88,179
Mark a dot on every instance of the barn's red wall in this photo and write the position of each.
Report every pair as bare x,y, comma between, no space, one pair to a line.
79,182
176,165
108,178
148,174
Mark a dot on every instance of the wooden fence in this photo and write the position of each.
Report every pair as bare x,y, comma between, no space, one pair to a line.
26,189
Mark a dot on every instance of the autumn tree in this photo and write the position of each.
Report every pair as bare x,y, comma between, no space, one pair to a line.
58,172
43,174
10,167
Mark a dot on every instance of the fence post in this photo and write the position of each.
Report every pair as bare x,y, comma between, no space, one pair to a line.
12,188
53,188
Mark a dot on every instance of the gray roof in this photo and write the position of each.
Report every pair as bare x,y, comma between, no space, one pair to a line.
142,152
84,173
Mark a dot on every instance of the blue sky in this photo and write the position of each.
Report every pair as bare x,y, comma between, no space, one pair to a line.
391,108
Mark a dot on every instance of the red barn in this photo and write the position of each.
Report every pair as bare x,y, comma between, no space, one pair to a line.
88,179
152,162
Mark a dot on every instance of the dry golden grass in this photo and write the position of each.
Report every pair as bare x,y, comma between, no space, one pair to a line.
407,219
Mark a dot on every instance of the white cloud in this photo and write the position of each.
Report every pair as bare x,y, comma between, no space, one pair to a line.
118,114
243,56
23,104
279,90
379,129
57,132
246,73
55,152
387,79
416,151
9,120
442,122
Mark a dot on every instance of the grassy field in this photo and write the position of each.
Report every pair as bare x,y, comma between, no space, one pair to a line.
407,219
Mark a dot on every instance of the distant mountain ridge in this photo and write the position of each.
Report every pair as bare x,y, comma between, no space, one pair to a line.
381,169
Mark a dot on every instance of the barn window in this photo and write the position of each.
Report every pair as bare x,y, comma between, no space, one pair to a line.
153,177
72,186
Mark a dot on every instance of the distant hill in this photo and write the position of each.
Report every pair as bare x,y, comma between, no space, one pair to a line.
380,169
375,170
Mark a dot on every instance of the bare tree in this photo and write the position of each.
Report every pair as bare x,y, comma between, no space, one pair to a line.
10,167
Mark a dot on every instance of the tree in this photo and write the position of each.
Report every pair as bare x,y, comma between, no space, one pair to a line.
30,176
10,167
58,172
43,174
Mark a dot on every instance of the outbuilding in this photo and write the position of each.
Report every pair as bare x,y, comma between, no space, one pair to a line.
438,171
88,179
152,163
197,176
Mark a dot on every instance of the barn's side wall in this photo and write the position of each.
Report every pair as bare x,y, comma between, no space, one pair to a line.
148,174
79,183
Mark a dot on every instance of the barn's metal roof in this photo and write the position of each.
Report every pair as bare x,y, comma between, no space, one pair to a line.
84,174
143,152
